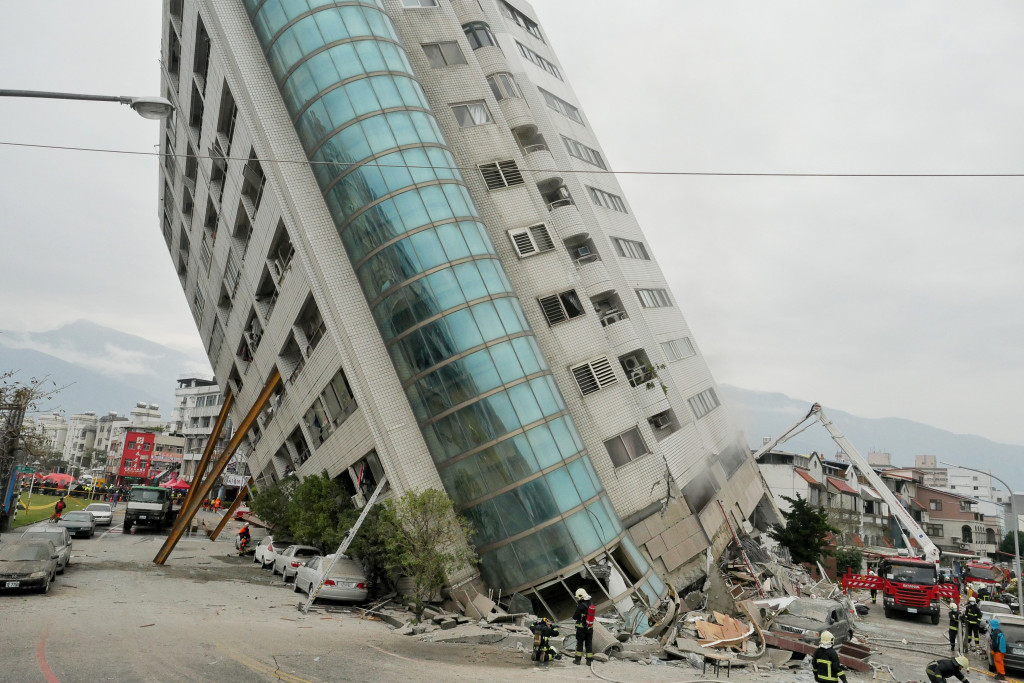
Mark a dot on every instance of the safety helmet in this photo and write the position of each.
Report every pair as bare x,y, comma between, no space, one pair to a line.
582,594
827,639
954,607
972,600
963,661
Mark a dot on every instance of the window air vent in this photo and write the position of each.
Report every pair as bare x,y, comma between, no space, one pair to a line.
501,174
593,376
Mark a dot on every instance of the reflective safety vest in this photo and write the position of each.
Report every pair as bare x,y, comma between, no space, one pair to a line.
827,667
954,621
972,615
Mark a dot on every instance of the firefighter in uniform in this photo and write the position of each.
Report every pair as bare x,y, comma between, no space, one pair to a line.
954,625
542,632
939,670
972,617
825,661
584,618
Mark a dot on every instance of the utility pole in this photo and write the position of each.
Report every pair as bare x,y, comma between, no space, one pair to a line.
13,415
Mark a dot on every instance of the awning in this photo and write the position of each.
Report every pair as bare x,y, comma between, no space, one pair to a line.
841,485
806,476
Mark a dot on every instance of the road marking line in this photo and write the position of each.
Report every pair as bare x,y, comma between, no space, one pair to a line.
44,667
261,667
393,654
112,530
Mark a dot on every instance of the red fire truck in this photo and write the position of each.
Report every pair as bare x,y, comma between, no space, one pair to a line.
908,585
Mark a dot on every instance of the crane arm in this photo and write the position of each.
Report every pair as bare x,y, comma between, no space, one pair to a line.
906,520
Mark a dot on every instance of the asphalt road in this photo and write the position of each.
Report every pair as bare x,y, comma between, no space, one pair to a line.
208,615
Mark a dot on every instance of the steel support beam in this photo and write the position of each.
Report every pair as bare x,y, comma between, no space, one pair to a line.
231,510
204,462
202,490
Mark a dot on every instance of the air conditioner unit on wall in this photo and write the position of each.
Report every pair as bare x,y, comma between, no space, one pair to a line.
660,421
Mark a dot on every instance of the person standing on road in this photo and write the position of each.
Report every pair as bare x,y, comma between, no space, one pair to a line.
874,591
972,617
941,669
216,504
954,625
584,618
997,643
825,662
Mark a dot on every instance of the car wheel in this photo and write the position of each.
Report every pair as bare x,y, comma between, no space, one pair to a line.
295,586
888,613
127,527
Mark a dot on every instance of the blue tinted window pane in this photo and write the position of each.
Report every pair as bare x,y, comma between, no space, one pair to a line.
379,25
581,527
351,142
470,280
345,61
510,321
563,438
581,478
442,163
502,414
534,559
525,403
424,129
373,182
490,326
338,107
410,207
563,489
454,244
307,35
410,93
371,57
387,93
458,202
500,567
404,132
355,21
527,358
274,16
543,446
542,387
505,362
436,203
395,175
609,526
481,368
288,52
419,163
486,521
446,289
331,26
464,329
656,585
379,134
364,100
429,249
490,271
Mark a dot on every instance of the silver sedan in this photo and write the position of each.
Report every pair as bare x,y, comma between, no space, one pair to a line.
346,581
102,512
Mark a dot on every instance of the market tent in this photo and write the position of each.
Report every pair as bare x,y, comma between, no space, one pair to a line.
59,479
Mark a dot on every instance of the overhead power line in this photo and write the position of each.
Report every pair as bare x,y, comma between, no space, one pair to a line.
533,170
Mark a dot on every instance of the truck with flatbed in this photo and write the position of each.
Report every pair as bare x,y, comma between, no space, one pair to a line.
148,506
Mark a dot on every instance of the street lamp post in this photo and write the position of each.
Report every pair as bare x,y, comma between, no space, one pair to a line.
146,107
1016,541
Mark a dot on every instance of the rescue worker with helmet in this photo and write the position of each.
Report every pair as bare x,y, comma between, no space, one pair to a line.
954,625
825,661
543,630
972,617
942,669
997,643
584,618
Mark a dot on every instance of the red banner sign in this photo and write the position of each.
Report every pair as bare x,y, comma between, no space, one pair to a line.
137,455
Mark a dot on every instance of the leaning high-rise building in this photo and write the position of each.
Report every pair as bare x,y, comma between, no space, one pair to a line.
400,205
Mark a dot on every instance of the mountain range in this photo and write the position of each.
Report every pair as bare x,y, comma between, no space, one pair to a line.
102,369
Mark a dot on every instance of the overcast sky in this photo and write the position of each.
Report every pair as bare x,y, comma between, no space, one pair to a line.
880,296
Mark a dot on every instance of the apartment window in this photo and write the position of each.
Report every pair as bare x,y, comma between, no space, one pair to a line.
637,367
539,61
504,86
471,114
594,375
631,249
654,298
298,442
581,151
678,349
419,3
524,21
226,119
444,54
231,274
935,505
253,181
330,409
479,35
501,174
205,255
704,402
532,240
561,106
201,58
626,447
935,530
560,307
607,199
198,304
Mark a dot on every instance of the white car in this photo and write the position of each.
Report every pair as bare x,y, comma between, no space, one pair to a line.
102,512
286,563
267,549
59,536
346,581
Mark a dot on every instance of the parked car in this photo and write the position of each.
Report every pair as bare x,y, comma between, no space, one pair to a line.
1012,627
102,512
79,523
346,580
267,549
808,617
293,557
28,564
58,536
991,609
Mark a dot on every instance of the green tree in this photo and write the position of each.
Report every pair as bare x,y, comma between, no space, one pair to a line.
320,512
425,540
849,558
804,532
271,504
1006,545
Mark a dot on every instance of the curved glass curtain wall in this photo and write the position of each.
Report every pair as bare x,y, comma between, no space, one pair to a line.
496,426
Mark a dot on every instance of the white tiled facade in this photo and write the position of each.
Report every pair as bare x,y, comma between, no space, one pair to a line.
671,501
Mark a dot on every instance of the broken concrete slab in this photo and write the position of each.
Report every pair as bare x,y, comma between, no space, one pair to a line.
483,605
